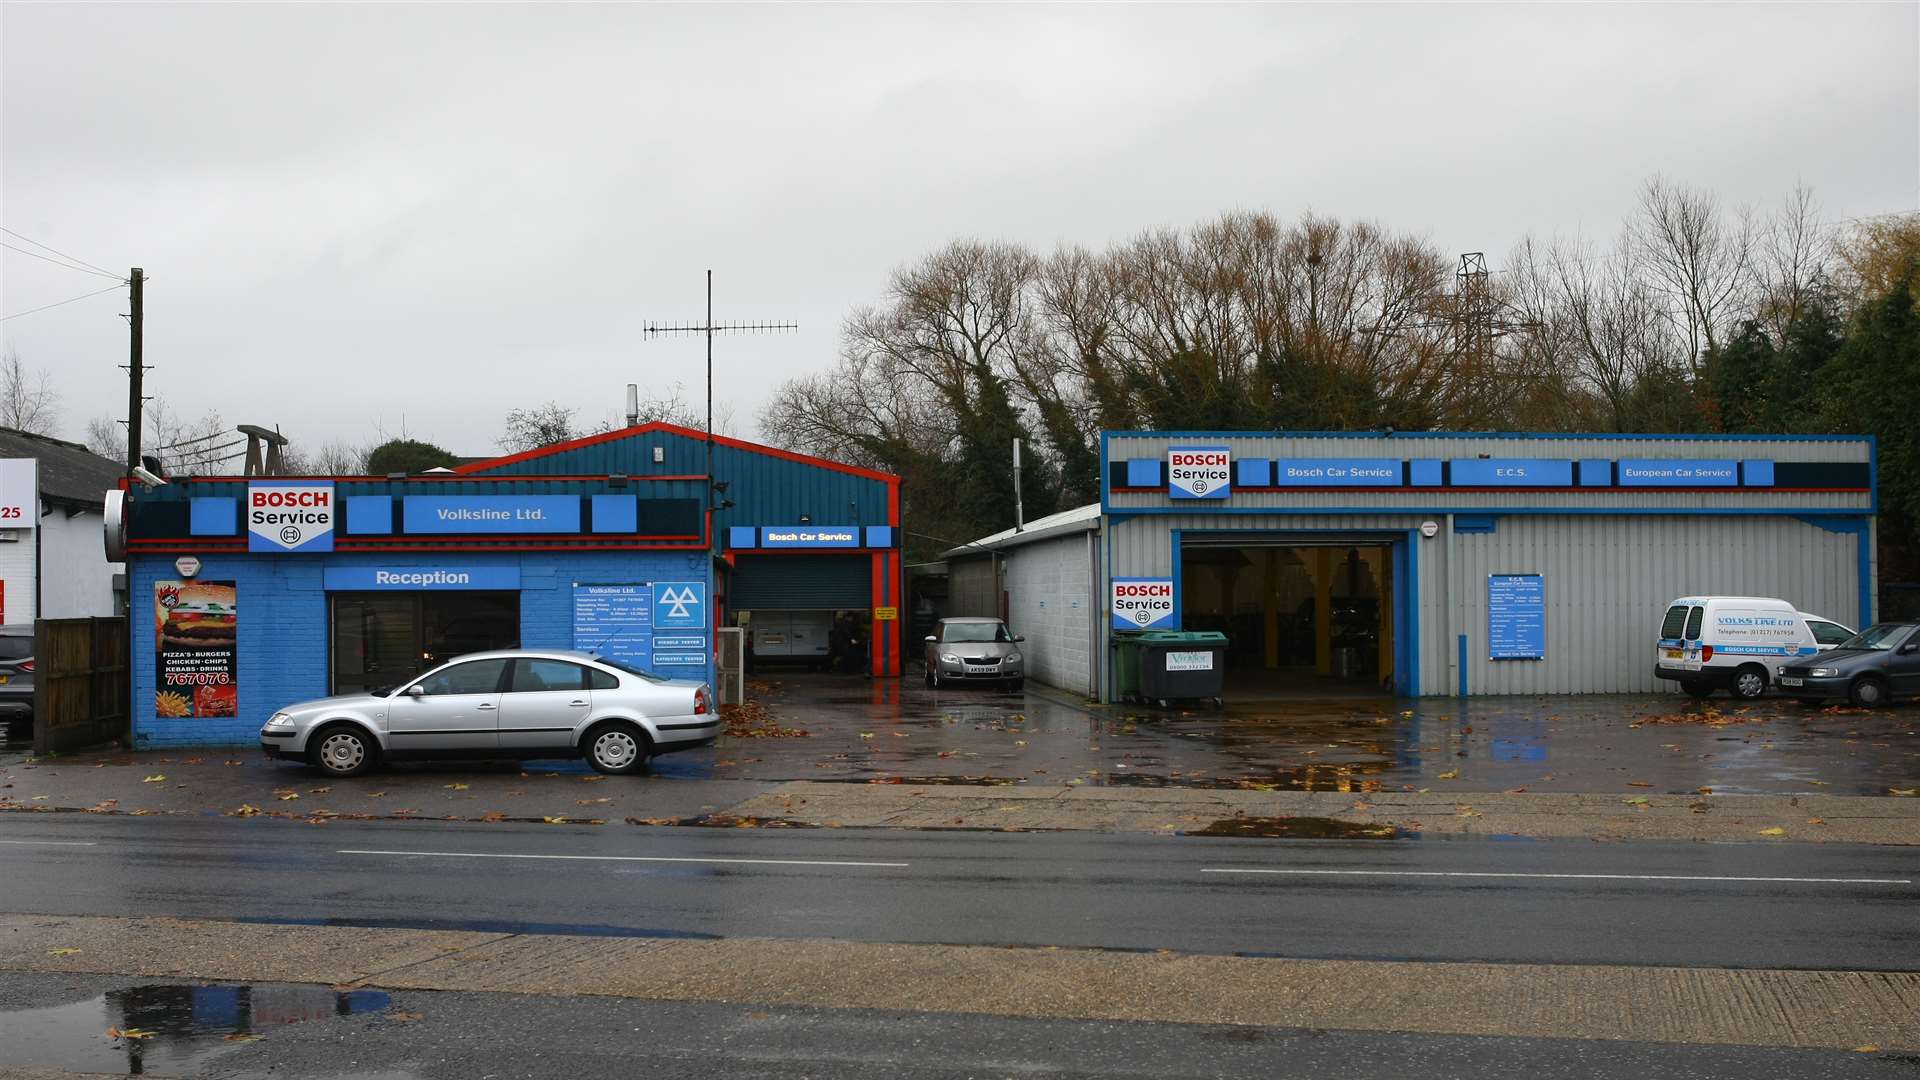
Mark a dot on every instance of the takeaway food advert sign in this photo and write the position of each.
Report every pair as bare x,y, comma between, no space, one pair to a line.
195,627
290,516
1142,603
1199,472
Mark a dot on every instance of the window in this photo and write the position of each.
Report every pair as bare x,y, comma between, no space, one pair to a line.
1879,638
1827,633
602,680
473,677
532,675
1693,623
975,631
1675,622
631,670
386,639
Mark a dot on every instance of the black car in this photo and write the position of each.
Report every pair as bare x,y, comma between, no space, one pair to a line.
16,682
1871,668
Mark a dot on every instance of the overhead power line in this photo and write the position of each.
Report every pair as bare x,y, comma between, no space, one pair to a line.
58,263
79,263
75,300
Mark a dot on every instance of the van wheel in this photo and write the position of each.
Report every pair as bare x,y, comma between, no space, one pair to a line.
1868,692
1696,689
342,750
1749,682
617,748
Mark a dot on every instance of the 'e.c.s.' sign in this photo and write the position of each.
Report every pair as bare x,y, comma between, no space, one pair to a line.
1199,472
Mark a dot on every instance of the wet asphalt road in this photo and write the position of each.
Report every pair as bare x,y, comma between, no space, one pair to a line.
1686,904
57,1021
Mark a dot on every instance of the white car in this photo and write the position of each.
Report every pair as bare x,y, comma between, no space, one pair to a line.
518,703
1734,643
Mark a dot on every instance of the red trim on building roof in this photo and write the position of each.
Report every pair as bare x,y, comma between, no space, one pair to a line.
671,429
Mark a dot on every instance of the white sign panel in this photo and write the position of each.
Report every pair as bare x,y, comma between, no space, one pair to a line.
187,565
1190,661
1142,603
19,493
1199,472
290,516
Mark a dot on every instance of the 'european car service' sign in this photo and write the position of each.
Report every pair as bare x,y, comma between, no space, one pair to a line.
1199,472
1142,603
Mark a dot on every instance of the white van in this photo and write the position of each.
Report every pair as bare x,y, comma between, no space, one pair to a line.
1732,643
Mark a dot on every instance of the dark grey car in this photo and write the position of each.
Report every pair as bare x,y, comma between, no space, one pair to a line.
1872,668
975,650
16,681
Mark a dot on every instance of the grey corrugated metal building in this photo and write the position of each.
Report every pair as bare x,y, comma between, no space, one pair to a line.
1438,563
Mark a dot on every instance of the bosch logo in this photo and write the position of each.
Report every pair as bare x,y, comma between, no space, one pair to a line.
1207,457
314,498
290,535
1143,590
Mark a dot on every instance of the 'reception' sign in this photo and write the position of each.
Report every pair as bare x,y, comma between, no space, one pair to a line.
1142,603
1199,472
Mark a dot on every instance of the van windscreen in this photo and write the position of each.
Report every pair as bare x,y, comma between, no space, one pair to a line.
1675,622
1693,623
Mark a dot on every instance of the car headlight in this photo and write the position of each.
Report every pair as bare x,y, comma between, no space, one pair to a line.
950,658
280,719
1822,672
1013,658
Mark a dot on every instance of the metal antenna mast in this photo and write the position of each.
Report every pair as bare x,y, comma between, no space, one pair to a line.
710,328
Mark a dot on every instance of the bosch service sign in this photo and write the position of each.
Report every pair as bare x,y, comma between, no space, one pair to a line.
290,516
1142,603
1199,472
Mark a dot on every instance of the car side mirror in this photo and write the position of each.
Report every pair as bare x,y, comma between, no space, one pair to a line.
1019,637
416,690
931,639
1910,647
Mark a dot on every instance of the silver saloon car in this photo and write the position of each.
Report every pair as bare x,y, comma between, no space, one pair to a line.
520,703
974,650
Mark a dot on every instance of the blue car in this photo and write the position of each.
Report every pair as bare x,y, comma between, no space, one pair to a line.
1872,668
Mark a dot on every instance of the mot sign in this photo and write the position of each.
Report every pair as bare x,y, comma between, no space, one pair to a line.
1142,603
290,516
1199,472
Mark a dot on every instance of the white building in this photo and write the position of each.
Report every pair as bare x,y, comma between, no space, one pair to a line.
53,564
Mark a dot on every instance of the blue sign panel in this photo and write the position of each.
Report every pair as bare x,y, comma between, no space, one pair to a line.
418,578
615,621
810,536
213,516
1756,473
742,536
1424,472
491,513
1516,617
1337,472
680,605
1512,472
1662,472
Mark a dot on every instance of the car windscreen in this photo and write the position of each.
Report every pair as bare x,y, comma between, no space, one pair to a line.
975,632
1878,638
630,669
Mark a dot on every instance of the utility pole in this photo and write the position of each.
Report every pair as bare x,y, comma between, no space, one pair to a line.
1019,505
136,368
710,328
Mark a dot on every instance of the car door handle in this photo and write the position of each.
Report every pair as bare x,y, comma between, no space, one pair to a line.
578,704
483,706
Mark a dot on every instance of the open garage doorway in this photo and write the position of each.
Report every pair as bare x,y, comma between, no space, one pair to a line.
1305,616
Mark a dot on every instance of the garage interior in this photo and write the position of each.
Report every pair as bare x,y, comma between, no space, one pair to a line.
804,612
1303,618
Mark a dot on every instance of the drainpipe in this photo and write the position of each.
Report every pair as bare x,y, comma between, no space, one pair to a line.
1446,609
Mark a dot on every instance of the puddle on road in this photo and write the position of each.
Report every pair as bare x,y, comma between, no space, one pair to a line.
1299,828
166,1027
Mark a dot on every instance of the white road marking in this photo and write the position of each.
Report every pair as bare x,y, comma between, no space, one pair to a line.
52,843
622,858
1560,877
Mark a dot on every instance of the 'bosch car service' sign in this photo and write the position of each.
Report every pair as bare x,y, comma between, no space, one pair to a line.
290,515
1199,472
1142,603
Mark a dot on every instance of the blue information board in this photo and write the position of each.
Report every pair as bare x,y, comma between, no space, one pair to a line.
1516,617
615,621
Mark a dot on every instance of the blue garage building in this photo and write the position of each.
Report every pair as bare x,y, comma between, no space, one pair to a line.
250,593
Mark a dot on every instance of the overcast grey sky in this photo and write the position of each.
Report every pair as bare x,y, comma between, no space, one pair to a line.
355,216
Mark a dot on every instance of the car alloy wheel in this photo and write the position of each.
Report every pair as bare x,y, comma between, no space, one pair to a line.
1749,683
343,752
616,749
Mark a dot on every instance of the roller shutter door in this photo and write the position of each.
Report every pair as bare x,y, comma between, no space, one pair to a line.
801,583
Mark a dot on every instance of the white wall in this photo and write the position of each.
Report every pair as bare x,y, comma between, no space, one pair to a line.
76,578
1050,601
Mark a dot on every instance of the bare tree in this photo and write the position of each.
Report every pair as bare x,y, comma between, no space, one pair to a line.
28,401
107,438
1793,262
1700,261
541,425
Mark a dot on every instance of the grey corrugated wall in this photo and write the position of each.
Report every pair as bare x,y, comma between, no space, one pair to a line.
1050,601
1608,579
971,588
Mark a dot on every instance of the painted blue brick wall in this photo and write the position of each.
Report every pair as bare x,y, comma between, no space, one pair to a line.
283,622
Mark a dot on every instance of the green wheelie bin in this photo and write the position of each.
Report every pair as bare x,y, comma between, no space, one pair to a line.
1183,665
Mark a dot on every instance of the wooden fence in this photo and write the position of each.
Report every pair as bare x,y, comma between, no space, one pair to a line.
81,686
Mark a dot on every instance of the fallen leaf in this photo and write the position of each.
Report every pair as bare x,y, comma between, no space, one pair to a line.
1867,1049
1818,783
866,734
233,761
585,779
240,1036
454,787
288,796
375,794
154,779
399,1017
559,820
1638,783
1816,821
318,790
1704,790
244,810
62,952
494,815
590,802
1907,792
38,798
129,1033
1775,831
1450,774
1636,800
